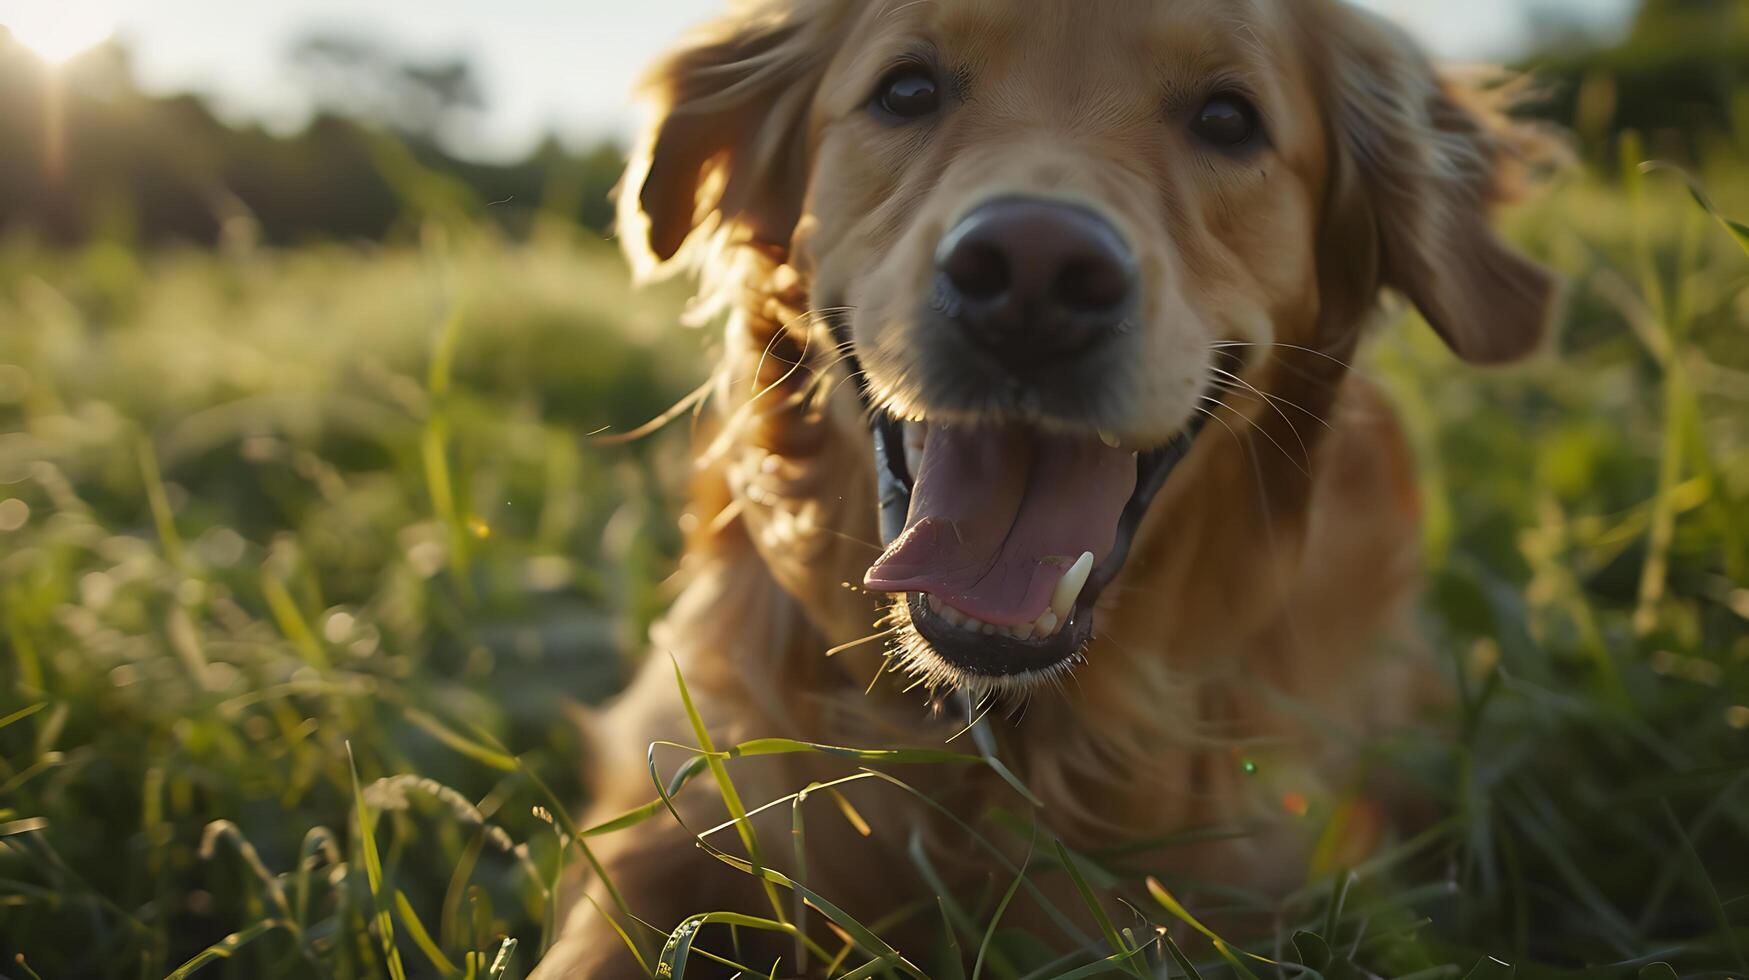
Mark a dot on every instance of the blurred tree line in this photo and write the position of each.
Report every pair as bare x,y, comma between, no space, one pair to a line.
84,153
87,154
1680,75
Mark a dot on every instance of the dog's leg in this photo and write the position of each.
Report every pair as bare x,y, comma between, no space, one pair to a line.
751,660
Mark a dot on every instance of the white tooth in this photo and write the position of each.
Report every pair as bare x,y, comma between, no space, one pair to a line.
916,434
952,615
973,625
1024,631
1109,438
989,630
1046,624
1070,585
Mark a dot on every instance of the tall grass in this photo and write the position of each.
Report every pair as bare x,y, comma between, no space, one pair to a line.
257,507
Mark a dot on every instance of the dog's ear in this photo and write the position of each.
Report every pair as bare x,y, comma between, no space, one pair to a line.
727,150
1432,165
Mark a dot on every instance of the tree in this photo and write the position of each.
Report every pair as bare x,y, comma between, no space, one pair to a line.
1681,73
359,78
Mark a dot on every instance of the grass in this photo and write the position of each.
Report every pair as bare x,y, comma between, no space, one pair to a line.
302,553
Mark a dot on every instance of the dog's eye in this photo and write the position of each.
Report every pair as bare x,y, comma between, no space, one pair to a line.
1226,120
908,92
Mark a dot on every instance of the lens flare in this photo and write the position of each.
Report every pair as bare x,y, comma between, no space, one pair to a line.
57,32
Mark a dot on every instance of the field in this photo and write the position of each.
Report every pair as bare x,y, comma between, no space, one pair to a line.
305,554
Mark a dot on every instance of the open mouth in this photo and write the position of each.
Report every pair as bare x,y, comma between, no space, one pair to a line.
1001,538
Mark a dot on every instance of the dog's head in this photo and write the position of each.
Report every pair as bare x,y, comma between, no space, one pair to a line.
1047,230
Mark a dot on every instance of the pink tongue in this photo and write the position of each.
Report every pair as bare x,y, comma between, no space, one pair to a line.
999,515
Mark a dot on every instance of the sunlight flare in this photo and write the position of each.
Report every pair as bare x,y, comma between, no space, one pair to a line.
58,32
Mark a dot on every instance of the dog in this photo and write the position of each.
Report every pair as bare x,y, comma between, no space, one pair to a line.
1034,436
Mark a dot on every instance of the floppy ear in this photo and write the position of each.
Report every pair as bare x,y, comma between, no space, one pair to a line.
727,151
1433,165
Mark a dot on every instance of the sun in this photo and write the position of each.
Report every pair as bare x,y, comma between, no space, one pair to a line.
57,31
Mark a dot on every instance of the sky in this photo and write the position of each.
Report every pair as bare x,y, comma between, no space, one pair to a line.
563,66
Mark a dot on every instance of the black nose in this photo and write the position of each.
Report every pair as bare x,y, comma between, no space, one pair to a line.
1034,281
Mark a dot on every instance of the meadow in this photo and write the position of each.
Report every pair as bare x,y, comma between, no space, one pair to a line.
306,555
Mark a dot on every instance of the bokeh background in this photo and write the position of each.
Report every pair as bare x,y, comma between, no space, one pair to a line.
309,313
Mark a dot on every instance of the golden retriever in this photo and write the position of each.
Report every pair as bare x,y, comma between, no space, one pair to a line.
1034,436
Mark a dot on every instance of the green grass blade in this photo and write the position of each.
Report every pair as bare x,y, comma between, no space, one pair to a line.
292,623
790,799
955,956
562,815
864,937
873,968
163,516
455,740
1709,892
1183,961
630,818
790,746
501,960
449,918
672,962
726,788
421,936
434,443
1312,950
1738,231
799,849
996,917
270,884
27,825
373,867
1228,953
1338,899
951,910
1122,961
1098,911
852,816
1491,969
22,713
1012,780
619,930
678,948
318,844
1548,843
224,949
1070,930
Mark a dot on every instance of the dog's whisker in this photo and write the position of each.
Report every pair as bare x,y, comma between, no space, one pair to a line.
1324,381
1217,418
1304,451
1224,344
988,704
853,539
689,402
1232,386
852,376
742,414
853,644
886,663
1265,432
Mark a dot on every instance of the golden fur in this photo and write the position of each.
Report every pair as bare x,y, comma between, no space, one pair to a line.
1250,614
